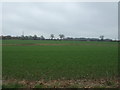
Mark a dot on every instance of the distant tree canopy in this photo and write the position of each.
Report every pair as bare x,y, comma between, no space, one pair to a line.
35,37
42,37
62,36
102,37
52,36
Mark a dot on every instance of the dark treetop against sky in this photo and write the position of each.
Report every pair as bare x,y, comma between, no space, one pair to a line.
80,19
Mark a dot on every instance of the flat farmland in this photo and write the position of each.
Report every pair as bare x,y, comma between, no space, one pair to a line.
52,60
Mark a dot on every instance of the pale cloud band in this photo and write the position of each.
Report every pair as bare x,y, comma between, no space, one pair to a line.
59,0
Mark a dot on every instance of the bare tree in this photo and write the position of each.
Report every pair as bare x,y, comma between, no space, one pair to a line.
102,37
61,36
52,36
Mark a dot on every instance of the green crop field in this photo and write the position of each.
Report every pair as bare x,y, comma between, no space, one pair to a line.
74,60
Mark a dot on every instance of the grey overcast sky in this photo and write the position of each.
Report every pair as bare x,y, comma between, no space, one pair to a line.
79,19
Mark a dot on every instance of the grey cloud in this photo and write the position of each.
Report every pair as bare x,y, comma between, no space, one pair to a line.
72,19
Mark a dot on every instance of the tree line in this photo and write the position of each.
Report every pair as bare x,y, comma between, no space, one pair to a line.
30,37
52,37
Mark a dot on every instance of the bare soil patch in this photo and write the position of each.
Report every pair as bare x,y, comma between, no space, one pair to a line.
36,44
42,44
82,83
